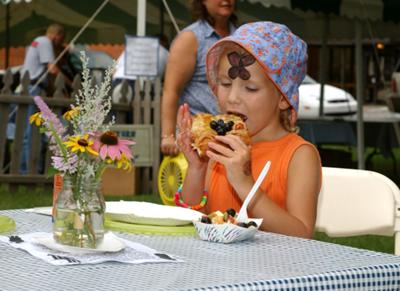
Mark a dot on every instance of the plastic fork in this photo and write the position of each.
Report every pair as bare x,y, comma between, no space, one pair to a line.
242,216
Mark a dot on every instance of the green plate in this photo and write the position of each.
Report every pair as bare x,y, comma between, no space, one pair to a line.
6,224
149,229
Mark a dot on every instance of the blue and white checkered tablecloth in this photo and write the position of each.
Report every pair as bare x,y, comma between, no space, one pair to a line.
268,262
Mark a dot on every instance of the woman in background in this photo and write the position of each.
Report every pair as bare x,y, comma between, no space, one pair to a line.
185,77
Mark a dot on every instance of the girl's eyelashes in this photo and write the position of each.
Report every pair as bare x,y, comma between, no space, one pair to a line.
225,82
251,89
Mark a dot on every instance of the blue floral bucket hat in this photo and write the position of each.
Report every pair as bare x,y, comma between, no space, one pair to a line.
282,54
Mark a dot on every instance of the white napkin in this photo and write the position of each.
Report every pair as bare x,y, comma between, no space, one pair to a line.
133,253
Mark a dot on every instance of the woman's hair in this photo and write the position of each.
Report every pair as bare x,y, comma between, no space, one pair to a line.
199,11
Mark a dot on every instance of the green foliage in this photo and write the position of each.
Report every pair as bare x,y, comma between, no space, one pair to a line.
377,243
23,197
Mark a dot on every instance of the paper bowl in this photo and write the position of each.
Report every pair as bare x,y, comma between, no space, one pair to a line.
226,232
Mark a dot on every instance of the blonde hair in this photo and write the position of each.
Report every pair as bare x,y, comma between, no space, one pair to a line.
285,121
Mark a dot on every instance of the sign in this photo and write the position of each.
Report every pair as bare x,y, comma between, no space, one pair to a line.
141,56
142,134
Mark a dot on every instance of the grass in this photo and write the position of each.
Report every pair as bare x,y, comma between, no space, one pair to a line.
24,198
37,197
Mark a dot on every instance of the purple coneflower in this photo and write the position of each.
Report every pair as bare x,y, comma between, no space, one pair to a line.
109,145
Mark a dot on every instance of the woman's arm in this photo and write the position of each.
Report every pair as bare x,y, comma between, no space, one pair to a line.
180,67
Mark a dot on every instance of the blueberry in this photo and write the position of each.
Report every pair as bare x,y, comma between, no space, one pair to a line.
231,212
231,123
221,132
252,223
242,224
220,122
205,219
214,124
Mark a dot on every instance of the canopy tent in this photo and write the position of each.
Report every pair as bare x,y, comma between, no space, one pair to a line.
119,17
315,21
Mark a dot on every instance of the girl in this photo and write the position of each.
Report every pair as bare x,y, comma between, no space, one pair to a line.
255,73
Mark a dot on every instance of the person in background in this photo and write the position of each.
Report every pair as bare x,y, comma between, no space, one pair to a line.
185,77
69,66
256,74
40,56
39,60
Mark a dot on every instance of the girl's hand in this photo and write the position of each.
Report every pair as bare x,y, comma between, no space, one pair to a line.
184,137
234,154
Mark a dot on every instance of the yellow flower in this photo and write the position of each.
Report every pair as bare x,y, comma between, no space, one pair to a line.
124,163
36,118
82,144
71,113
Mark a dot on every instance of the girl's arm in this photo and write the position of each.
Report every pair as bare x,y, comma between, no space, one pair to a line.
180,67
194,183
303,185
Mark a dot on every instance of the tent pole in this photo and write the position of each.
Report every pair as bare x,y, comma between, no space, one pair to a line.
7,38
141,18
323,64
161,5
359,95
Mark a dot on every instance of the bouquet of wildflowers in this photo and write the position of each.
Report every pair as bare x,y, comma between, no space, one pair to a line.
82,145
85,145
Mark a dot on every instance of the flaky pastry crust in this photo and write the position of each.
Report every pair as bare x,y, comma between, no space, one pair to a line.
202,133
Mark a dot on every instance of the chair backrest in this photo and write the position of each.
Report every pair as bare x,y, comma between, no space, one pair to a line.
357,202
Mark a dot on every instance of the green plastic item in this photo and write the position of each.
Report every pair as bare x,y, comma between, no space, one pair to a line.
188,230
6,224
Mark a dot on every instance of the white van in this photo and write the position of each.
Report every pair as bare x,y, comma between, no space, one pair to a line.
336,100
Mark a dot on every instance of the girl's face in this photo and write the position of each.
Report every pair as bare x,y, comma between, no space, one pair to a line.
252,96
218,8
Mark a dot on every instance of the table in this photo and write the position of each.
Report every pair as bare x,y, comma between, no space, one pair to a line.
381,131
268,262
381,128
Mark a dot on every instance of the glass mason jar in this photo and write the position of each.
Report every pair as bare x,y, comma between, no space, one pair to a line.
79,213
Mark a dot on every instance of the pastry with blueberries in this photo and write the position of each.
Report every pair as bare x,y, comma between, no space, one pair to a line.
206,126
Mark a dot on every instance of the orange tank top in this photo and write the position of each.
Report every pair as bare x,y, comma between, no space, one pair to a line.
279,152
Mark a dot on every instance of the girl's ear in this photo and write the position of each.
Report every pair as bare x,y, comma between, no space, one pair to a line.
283,103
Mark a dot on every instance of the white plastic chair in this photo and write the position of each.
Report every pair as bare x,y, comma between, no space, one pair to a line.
358,202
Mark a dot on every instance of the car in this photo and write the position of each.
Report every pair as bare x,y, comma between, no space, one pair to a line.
336,101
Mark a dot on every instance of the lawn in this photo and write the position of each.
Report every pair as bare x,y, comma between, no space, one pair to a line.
37,197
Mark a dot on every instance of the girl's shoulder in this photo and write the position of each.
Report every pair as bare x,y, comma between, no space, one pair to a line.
283,149
290,139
